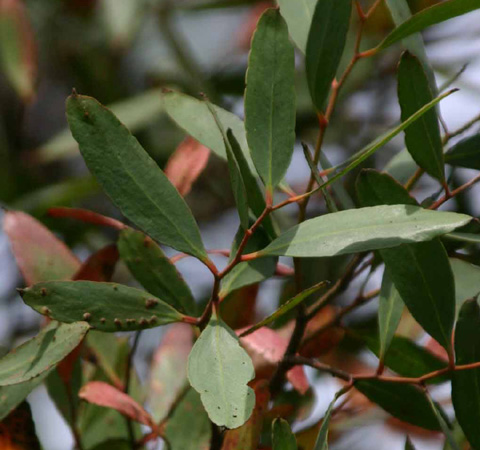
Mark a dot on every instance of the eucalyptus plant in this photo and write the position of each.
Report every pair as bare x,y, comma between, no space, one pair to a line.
206,391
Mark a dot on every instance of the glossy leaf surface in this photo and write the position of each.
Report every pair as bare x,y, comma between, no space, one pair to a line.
219,370
131,178
105,306
465,153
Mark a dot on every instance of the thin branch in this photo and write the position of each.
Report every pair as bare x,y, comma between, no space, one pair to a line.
128,375
451,194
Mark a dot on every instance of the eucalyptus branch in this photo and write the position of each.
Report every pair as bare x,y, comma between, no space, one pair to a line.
451,194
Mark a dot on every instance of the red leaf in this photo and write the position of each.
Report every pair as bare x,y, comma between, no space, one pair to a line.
266,348
40,255
86,216
186,164
103,394
99,266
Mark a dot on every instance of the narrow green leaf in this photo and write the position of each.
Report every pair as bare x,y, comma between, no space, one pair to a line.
363,229
131,178
194,118
298,16
428,17
236,178
270,99
408,444
219,370
467,281
325,45
422,138
403,401
465,153
189,411
41,353
466,383
443,421
282,436
322,438
135,112
11,396
390,308
105,306
248,272
154,271
469,238
285,308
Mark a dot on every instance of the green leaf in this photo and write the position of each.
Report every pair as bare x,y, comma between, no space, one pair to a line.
189,411
282,436
322,438
408,444
420,272
467,281
270,99
219,370
407,358
465,153
466,383
398,400
107,307
325,45
117,444
131,178
11,396
444,423
154,271
363,229
194,118
390,308
248,272
298,16
469,238
422,138
41,353
135,112
285,308
428,17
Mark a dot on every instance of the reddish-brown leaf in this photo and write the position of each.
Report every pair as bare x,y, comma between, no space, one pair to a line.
40,255
247,436
99,266
238,308
19,49
186,164
103,394
17,430
84,215
266,348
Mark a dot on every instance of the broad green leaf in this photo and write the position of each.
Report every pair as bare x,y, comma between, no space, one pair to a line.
248,272
322,438
465,153
18,49
444,423
154,271
407,358
422,138
298,15
428,17
420,272
135,112
466,383
402,166
189,411
40,255
106,307
255,196
11,396
467,280
403,401
131,178
422,275
194,118
168,371
41,353
390,308
286,307
325,45
270,99
219,370
282,436
236,178
363,229
408,444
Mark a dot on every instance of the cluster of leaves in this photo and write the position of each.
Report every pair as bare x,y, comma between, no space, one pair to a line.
226,382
